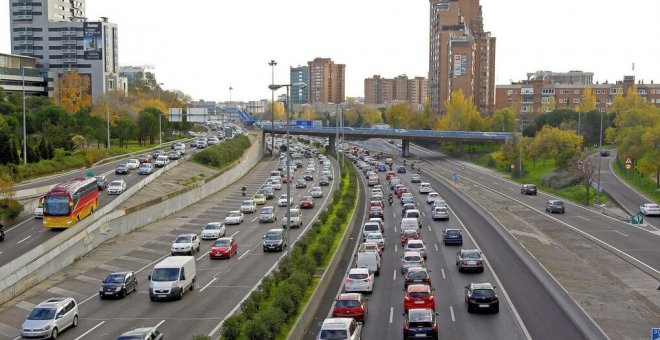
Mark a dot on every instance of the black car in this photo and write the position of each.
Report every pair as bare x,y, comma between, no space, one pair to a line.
118,285
157,153
174,155
401,169
122,169
452,236
102,182
481,297
420,323
176,144
275,239
308,176
407,206
528,189
325,181
301,183
555,206
604,152
268,192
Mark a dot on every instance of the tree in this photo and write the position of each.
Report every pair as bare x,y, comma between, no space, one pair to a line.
147,125
649,164
7,155
508,153
397,115
73,91
309,113
559,145
370,116
588,102
585,168
503,120
460,115
125,129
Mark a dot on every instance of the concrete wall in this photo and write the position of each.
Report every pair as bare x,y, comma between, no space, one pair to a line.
65,248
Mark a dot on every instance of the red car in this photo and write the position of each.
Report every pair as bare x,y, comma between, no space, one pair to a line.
145,159
377,204
224,247
286,179
389,175
306,202
409,235
401,191
419,296
350,305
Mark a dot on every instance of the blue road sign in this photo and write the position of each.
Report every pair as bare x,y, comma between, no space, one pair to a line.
655,333
455,176
304,123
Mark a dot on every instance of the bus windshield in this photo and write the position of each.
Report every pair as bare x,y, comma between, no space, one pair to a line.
56,206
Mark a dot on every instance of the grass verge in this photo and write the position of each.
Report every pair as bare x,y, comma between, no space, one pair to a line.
642,183
221,155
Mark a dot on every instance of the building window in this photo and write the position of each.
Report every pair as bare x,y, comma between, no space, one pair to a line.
527,91
576,100
548,91
641,91
563,100
576,91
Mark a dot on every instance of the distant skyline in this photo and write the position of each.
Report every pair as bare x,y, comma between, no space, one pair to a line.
204,47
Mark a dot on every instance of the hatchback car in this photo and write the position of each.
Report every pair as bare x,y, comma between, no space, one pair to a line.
268,191
282,201
122,169
470,259
415,245
350,305
425,188
213,230
376,212
431,197
145,169
144,333
416,275
224,247
481,296
301,183
133,163
340,328
306,202
452,236
267,214
376,237
389,175
51,317
324,181
528,189
406,207
116,187
248,206
259,199
316,192
419,296
650,209
401,169
145,159
407,197
407,235
411,259
440,213
420,323
274,240
415,178
555,206
359,280
118,285
185,244
370,247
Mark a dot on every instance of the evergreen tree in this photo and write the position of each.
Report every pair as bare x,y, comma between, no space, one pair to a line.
43,149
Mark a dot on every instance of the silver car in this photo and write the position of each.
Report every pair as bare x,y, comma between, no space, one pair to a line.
469,259
440,213
411,259
50,317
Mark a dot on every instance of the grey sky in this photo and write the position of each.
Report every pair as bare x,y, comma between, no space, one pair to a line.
203,46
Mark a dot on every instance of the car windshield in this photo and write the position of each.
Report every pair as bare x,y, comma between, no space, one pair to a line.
559,203
234,214
371,227
99,179
114,278
307,198
419,295
42,314
183,239
294,213
333,334
412,258
416,275
246,203
486,293
374,236
266,210
145,166
348,303
212,226
470,255
273,236
409,233
165,274
412,214
415,245
221,243
259,196
56,205
115,183
358,276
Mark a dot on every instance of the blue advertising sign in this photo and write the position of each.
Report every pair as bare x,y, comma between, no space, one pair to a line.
304,123
655,333
92,40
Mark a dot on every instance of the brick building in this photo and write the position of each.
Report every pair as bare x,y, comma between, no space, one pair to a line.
379,90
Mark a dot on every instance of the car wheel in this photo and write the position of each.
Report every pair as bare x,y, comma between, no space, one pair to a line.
75,321
469,309
460,270
200,244
152,298
180,295
135,287
496,309
54,334
122,293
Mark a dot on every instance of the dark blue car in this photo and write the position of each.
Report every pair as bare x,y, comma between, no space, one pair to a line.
452,236
420,324
382,167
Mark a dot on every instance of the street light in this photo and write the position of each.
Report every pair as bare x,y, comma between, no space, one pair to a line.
24,124
600,147
272,65
273,88
160,115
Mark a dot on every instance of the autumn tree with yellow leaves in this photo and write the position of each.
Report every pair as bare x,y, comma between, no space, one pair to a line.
73,91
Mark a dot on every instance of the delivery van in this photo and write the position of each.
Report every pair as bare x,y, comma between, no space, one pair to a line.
172,277
369,260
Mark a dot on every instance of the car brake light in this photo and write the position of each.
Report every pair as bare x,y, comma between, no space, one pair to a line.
480,262
406,297
367,279
431,297
349,281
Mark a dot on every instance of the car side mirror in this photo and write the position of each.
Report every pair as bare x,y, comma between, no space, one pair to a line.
183,277
149,277
466,287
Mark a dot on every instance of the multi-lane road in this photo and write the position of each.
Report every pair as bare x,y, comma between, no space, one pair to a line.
221,284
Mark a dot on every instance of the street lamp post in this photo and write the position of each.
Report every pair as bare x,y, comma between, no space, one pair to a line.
24,120
600,147
521,148
160,115
272,64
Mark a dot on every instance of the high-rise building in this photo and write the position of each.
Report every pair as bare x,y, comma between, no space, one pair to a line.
327,81
57,34
17,71
462,55
379,90
299,94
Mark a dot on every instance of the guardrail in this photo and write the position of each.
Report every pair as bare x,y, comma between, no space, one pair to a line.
612,213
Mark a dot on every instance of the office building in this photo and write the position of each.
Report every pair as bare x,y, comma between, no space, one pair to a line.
57,34
327,81
299,94
529,98
17,71
461,55
379,90
134,74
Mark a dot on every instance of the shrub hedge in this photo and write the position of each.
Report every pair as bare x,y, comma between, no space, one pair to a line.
280,295
223,154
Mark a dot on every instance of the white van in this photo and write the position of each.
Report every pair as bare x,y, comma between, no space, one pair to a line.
409,224
369,260
276,173
171,278
414,213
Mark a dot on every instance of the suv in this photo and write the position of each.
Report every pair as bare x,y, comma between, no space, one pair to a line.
340,328
146,333
185,244
275,239
555,206
528,189
118,285
50,317
481,296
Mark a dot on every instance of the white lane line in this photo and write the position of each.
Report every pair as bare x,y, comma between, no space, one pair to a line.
451,311
395,228
160,323
436,247
442,270
21,241
203,255
430,228
208,284
394,276
396,248
586,219
391,314
234,234
254,219
90,330
393,215
245,253
618,232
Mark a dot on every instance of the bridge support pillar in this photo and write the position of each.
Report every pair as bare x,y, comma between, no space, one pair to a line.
405,148
331,144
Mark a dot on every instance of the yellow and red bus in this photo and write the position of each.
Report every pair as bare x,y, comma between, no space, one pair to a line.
69,202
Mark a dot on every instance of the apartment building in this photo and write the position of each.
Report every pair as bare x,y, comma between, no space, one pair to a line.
379,90
461,55
60,38
327,81
299,94
18,73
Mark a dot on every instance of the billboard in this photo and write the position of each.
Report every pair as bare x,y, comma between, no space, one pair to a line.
197,114
175,114
92,40
460,65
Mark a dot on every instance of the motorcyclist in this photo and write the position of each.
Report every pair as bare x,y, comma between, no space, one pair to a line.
243,190
412,165
2,232
390,198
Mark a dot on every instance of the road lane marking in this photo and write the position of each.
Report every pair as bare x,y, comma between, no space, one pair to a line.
203,255
391,314
234,234
442,270
451,311
21,241
436,247
394,276
396,248
208,284
245,253
254,219
430,228
618,232
586,219
90,330
423,214
160,323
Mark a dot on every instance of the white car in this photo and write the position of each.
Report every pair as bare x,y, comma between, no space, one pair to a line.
376,237
425,188
185,244
234,217
440,213
248,206
316,192
411,259
162,161
116,187
213,231
432,196
650,209
282,201
276,184
133,163
359,280
416,245
440,203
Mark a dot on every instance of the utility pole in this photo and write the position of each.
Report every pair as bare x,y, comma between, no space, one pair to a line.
272,64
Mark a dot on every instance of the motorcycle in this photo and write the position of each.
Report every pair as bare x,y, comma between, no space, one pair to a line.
243,189
2,233
390,200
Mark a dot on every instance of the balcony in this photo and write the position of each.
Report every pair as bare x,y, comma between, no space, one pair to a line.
23,17
25,33
69,33
23,8
69,60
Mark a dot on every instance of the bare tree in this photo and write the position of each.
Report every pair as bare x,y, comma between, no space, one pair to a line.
585,168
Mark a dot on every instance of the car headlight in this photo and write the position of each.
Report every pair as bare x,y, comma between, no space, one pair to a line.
117,289
101,289
47,327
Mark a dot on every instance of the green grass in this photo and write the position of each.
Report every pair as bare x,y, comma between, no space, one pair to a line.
642,183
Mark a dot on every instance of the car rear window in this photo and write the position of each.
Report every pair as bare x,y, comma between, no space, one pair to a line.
333,334
452,232
358,276
371,227
419,295
348,303
487,293
415,246
412,258
470,255
415,275
412,214
266,210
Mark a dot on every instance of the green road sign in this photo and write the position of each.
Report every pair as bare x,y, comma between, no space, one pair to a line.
637,219
90,174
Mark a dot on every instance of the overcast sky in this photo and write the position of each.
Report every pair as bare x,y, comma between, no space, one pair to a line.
203,47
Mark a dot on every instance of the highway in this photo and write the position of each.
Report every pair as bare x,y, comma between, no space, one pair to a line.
527,309
221,284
